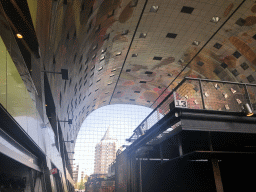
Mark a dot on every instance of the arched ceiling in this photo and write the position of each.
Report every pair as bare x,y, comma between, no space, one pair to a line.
133,52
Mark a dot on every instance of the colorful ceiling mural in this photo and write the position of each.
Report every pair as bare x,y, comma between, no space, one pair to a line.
137,51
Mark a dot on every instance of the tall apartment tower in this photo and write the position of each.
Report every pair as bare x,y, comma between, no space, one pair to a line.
105,153
75,173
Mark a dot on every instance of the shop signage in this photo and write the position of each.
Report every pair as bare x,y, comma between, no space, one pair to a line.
54,171
181,104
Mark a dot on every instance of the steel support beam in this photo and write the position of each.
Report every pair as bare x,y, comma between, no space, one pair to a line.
217,176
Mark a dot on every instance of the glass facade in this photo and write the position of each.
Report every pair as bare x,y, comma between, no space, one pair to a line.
16,98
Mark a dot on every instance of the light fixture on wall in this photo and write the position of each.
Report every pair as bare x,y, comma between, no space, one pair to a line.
69,121
71,141
64,73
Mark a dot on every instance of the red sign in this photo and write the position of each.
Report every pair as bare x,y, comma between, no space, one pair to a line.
54,171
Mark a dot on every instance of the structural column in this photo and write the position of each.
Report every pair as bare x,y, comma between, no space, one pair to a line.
217,176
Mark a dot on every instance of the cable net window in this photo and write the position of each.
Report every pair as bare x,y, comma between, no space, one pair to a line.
102,133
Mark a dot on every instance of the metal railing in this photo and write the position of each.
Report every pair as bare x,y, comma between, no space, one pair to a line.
204,94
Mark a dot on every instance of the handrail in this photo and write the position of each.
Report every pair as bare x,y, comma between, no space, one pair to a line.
160,104
218,81
138,130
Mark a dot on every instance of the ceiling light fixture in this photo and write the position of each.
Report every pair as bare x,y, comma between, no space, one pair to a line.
233,90
103,50
95,47
238,101
102,58
181,61
216,86
154,9
247,110
225,95
118,53
196,43
19,36
143,35
215,19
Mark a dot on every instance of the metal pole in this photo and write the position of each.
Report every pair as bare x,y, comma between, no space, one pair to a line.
217,176
174,98
180,145
201,91
31,181
218,81
161,153
248,96
51,72
158,116
140,177
210,141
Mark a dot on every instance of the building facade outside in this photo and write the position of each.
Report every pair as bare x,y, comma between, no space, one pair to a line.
105,153
75,173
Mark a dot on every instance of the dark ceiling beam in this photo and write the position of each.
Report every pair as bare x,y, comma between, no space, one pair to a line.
21,14
11,11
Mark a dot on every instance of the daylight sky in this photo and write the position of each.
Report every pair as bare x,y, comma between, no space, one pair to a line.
122,120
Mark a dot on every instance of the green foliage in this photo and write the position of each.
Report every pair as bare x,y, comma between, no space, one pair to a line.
81,185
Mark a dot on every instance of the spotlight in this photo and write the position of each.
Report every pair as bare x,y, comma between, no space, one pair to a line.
216,86
248,110
215,19
233,90
19,35
238,101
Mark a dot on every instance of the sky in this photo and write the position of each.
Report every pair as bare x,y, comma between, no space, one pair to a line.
122,120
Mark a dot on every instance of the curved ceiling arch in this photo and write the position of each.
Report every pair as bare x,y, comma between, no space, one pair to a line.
123,52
